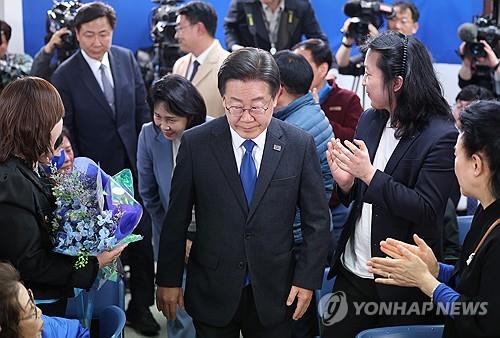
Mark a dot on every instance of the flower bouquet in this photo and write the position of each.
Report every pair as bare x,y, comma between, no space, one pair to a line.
94,213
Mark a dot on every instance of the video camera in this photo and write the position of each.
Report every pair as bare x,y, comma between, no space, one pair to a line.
62,14
163,21
363,13
483,28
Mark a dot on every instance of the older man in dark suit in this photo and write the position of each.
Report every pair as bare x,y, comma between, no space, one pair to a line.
246,173
105,102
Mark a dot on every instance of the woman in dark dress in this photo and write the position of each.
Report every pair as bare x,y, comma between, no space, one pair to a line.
31,114
468,292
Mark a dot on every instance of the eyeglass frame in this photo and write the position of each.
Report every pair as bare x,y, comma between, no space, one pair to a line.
259,113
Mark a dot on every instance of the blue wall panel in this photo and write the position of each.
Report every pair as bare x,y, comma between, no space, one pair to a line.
438,23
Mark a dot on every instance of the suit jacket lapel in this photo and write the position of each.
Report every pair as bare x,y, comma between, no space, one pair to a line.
93,86
208,66
288,24
255,11
221,144
269,163
399,152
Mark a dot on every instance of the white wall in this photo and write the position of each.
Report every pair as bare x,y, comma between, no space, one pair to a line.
11,11
447,75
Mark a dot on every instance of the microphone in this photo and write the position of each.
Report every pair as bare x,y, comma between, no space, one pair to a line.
467,32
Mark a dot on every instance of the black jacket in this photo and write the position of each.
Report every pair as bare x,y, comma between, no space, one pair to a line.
478,282
409,196
244,25
26,206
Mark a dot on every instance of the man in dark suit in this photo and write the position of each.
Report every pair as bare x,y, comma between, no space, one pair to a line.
271,25
245,173
105,102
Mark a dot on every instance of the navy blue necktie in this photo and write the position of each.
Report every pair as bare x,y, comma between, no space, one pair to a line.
248,176
248,172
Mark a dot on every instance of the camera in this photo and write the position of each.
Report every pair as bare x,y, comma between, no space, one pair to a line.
62,14
483,28
363,13
163,20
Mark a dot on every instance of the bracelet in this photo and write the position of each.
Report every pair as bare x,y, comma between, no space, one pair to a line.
345,44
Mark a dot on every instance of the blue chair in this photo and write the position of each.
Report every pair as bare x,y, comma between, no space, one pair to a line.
464,223
111,322
111,293
326,288
413,331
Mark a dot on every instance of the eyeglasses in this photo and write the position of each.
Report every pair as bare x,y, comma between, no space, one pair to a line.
238,111
32,304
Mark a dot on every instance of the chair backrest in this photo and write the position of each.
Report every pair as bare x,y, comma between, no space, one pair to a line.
326,288
464,223
413,331
111,322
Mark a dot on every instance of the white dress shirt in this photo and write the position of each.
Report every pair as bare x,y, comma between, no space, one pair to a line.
95,67
239,150
356,263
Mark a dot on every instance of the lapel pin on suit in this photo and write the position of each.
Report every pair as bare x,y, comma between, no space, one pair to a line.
277,147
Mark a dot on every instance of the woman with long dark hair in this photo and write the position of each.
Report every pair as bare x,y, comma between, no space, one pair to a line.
473,282
399,173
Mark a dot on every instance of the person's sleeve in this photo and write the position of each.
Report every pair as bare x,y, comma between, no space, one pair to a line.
429,195
231,25
148,185
35,263
173,237
59,81
445,297
315,222
445,272
55,327
312,29
41,65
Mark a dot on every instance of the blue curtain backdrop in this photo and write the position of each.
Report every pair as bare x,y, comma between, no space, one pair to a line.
438,23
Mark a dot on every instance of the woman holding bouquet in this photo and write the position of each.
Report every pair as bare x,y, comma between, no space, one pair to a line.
31,114
177,106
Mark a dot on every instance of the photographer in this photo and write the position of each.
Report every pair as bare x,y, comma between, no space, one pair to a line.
42,66
404,20
479,70
12,66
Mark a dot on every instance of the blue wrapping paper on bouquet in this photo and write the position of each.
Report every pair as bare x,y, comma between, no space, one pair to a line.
94,213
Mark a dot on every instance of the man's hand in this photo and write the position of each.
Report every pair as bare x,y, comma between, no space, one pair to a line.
304,297
167,300
55,40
